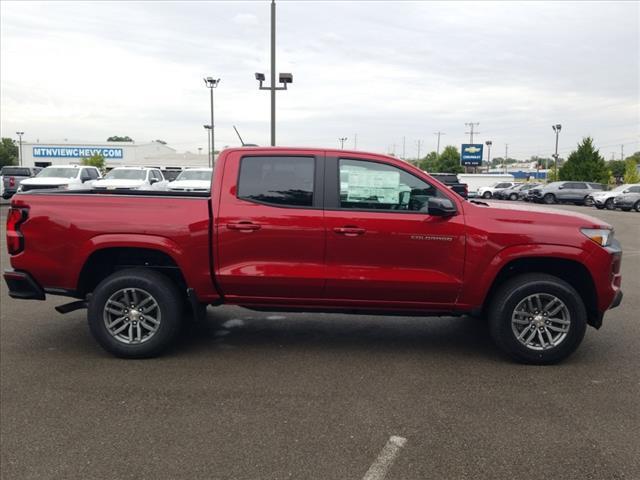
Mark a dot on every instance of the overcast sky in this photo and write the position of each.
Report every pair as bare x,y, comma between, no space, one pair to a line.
381,70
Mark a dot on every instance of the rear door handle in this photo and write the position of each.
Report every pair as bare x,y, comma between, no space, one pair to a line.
349,231
243,226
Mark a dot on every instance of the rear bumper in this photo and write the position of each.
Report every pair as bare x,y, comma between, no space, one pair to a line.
23,286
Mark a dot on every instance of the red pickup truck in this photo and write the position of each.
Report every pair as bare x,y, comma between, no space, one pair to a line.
313,230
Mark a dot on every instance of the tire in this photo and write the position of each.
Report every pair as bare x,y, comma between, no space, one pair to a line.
609,204
513,196
513,294
599,207
136,285
486,195
636,206
549,198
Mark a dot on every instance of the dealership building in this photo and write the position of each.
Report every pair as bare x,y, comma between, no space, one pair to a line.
116,154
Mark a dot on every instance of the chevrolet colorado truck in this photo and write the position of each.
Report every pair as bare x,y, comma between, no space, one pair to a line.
293,229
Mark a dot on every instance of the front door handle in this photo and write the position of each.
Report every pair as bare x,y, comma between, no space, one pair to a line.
244,226
349,231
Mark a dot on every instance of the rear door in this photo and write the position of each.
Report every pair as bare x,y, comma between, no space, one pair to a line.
270,226
383,248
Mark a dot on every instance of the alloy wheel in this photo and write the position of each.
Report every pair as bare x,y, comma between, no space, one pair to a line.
132,316
541,321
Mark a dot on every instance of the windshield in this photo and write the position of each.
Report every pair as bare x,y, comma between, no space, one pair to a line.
620,188
128,174
58,172
195,175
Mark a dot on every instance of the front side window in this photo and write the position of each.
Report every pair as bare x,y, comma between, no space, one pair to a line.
368,185
503,185
286,181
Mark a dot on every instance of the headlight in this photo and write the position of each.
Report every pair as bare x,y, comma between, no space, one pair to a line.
602,236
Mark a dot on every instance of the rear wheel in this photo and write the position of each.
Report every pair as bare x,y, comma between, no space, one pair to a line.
537,318
135,313
513,196
486,195
549,198
636,206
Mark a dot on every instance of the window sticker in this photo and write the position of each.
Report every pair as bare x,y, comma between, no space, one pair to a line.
371,185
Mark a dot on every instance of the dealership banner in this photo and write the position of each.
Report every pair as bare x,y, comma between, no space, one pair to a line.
76,152
471,155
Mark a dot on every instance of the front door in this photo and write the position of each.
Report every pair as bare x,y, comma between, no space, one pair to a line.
270,227
383,248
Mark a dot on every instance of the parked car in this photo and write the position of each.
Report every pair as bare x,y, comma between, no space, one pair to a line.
475,181
451,181
192,180
605,199
516,192
564,192
306,229
11,176
627,201
487,192
132,178
65,177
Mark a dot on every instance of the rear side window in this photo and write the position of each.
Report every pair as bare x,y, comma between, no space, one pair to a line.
16,171
634,190
277,180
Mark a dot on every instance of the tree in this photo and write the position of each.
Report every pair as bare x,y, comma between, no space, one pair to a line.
631,171
617,168
95,160
117,138
8,152
429,162
585,164
449,161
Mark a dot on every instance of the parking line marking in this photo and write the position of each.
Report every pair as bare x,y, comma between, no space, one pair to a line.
379,469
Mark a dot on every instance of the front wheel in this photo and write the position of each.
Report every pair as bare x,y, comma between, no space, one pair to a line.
486,195
549,198
135,313
636,206
537,318
513,196
609,204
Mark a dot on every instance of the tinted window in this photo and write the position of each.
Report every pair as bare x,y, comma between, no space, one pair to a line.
634,190
503,185
596,186
371,185
277,180
93,173
84,174
15,171
578,186
158,175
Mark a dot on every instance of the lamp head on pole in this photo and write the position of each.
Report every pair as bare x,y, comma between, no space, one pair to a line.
211,82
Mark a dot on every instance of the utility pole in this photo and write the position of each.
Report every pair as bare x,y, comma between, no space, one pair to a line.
342,140
506,155
404,149
419,142
438,147
20,150
556,129
622,152
471,132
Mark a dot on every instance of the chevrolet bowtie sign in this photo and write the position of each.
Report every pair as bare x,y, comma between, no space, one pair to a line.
471,155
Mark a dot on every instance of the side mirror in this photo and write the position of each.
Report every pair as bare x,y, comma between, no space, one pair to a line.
441,207
152,181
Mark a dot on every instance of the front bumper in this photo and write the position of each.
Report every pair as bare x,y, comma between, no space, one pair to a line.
23,286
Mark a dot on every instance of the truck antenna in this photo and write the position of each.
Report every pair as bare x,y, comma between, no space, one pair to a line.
238,133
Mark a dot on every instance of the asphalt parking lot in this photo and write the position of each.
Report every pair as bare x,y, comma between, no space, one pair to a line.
250,395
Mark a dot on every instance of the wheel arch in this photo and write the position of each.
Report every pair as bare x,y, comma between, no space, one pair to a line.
570,270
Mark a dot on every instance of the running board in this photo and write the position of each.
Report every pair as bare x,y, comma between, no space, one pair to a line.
71,307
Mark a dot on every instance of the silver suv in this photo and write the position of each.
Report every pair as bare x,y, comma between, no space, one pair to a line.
559,192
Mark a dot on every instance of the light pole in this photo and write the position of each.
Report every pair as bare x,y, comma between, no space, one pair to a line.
556,129
488,143
342,140
20,150
212,83
284,78
506,155
207,128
